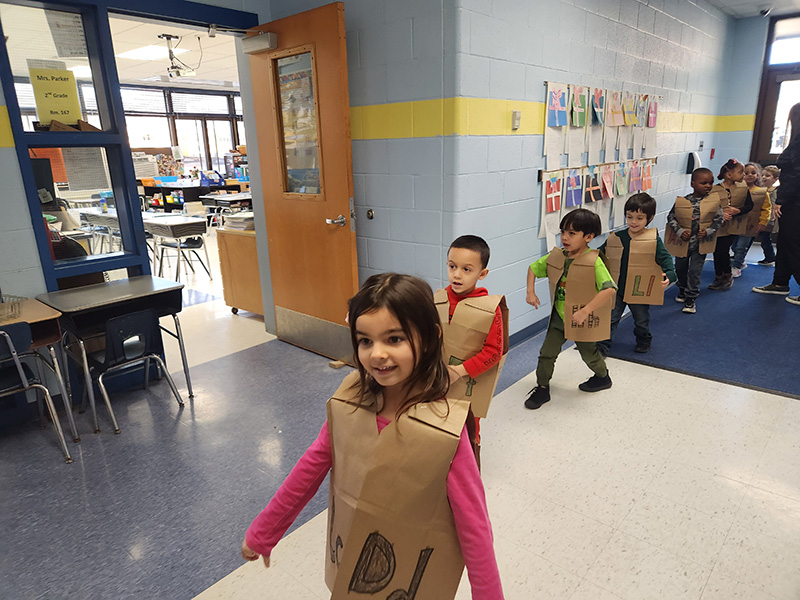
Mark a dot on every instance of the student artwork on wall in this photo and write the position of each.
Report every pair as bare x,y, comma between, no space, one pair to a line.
591,186
578,96
607,183
620,180
641,110
553,194
557,96
614,113
652,113
635,178
629,107
598,106
574,195
647,180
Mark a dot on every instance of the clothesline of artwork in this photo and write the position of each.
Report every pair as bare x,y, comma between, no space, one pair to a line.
602,125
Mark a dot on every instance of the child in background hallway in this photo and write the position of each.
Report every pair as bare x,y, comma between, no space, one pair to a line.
578,228
467,261
757,219
639,212
736,202
695,219
388,424
769,179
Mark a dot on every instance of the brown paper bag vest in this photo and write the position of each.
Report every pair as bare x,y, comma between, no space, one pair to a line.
643,283
391,531
464,336
737,225
580,289
683,214
759,196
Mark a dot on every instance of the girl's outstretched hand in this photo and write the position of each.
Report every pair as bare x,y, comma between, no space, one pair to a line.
251,555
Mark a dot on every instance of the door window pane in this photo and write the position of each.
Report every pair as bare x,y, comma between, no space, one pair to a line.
785,46
299,117
47,50
788,96
241,132
192,144
148,132
147,101
220,141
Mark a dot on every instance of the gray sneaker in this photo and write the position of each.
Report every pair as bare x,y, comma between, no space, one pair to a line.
689,306
793,300
780,290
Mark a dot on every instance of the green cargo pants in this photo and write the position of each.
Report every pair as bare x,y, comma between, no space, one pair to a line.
551,348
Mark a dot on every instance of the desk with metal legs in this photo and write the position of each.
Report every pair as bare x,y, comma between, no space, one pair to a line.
85,310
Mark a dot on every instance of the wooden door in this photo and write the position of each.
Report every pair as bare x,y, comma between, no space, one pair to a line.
303,127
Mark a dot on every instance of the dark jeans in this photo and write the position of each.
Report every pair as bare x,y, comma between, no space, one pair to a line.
551,348
641,322
787,262
722,257
689,269
766,246
740,249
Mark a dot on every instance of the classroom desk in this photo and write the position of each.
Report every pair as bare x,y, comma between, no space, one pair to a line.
45,331
225,203
190,194
85,311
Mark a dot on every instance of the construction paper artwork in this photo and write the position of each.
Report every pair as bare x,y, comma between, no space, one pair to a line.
620,180
647,180
629,105
641,110
652,113
578,106
553,193
574,196
607,183
614,116
598,106
635,182
556,106
591,187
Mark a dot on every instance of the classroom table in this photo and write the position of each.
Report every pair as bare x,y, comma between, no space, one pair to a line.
219,203
85,311
45,331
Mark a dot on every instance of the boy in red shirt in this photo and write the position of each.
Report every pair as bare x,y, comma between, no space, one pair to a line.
467,261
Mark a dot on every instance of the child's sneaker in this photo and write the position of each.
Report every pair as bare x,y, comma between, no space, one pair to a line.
717,283
642,347
689,306
736,272
727,281
538,396
595,383
680,297
793,300
766,263
780,290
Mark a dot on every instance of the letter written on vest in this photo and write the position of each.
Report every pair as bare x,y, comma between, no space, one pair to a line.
643,282
737,198
464,336
683,214
581,288
390,526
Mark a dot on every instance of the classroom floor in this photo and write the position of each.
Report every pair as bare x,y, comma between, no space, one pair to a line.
666,486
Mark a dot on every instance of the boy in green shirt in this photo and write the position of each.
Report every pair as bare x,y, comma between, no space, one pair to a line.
578,228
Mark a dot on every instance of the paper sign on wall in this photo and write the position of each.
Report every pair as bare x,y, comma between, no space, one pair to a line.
56,95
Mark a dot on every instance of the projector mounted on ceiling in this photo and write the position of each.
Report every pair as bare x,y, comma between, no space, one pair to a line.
176,67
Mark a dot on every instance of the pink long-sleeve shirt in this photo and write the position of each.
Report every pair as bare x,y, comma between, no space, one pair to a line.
464,491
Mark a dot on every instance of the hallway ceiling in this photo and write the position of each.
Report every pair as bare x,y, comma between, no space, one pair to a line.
752,8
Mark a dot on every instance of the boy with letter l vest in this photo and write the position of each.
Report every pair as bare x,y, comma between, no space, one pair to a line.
474,326
692,226
641,266
582,288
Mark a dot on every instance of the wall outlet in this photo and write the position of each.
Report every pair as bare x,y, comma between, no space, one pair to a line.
701,145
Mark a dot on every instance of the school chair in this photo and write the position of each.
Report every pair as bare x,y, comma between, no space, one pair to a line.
16,376
186,247
131,340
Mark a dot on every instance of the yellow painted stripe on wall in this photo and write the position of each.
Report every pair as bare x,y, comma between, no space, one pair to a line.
6,137
489,116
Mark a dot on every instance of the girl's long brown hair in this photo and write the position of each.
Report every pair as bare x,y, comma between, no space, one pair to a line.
410,300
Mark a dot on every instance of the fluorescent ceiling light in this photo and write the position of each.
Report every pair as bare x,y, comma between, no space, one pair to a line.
150,53
83,71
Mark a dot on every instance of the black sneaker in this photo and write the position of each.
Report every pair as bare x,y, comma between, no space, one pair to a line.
780,290
766,263
716,284
642,347
537,396
595,383
727,282
689,306
680,297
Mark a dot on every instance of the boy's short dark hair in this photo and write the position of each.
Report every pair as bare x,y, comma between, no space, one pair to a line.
643,202
701,171
474,243
582,220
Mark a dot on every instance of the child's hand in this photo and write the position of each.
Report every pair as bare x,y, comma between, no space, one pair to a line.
701,234
580,316
776,211
455,372
760,228
533,299
251,555
686,235
726,216
664,280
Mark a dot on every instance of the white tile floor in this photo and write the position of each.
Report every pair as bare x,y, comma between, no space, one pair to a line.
666,486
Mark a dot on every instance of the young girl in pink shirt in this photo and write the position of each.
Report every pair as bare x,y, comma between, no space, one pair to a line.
407,508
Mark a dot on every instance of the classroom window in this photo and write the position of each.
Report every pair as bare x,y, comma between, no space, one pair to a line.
192,144
148,132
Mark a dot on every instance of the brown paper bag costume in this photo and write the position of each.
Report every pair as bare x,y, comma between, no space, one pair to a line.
683,214
464,336
643,282
581,288
738,224
759,196
391,531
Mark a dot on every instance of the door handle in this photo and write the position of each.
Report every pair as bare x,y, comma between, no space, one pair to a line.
340,221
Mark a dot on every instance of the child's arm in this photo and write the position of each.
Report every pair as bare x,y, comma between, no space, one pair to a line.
766,213
602,296
490,354
665,261
468,501
716,223
293,495
672,222
531,297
